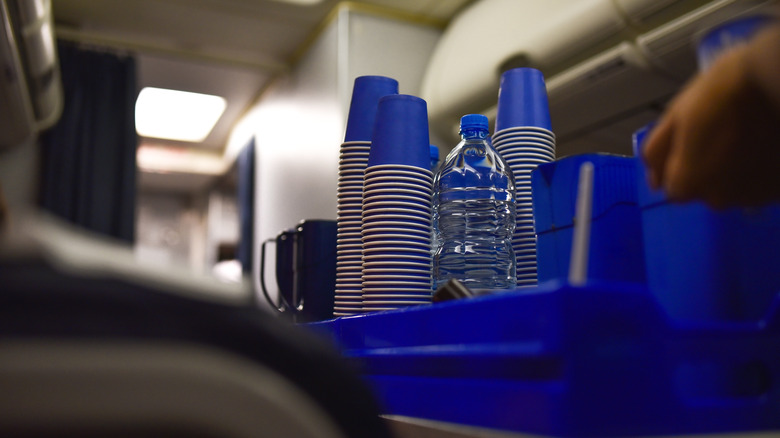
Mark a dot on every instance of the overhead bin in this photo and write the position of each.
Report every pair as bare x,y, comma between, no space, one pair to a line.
604,60
618,81
30,88
671,46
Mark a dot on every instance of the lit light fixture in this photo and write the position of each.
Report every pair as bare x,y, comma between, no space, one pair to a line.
176,115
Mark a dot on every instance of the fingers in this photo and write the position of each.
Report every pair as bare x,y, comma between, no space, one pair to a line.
675,180
656,150
718,139
681,153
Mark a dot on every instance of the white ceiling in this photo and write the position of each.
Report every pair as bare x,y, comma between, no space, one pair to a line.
231,48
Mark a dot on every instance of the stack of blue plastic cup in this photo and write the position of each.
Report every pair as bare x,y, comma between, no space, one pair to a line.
524,138
396,219
353,160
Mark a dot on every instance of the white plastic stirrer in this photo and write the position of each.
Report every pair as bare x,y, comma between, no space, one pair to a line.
578,265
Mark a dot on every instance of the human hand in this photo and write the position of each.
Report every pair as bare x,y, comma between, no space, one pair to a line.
719,140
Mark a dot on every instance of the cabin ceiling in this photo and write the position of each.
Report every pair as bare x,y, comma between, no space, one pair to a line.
231,48
226,47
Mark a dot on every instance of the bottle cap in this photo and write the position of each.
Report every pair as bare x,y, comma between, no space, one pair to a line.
473,121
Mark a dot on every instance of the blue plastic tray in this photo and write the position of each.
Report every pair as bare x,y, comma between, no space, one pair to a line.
599,360
616,252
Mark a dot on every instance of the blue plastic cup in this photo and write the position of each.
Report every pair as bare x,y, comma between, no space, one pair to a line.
522,100
520,134
366,93
720,38
434,158
401,133
413,222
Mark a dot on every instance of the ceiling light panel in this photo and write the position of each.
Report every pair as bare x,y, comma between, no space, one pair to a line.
177,115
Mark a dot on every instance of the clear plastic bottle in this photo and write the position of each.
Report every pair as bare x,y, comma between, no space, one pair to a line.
474,213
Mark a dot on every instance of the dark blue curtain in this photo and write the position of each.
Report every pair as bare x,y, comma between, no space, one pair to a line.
88,158
246,202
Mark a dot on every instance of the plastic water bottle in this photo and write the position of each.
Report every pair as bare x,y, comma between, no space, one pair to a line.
474,213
